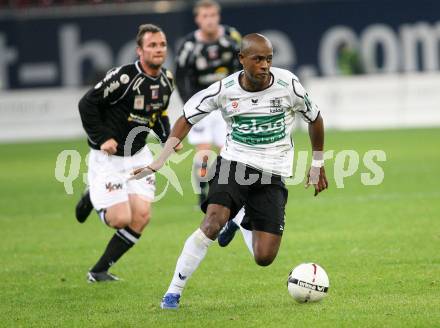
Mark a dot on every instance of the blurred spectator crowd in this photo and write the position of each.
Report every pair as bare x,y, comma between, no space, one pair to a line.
24,4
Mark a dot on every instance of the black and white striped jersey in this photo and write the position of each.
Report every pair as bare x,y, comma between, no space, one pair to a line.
199,64
125,106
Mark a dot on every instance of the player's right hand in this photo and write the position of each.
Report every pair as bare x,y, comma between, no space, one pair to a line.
141,172
110,146
178,147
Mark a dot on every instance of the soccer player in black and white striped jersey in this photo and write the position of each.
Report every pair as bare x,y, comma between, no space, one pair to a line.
117,115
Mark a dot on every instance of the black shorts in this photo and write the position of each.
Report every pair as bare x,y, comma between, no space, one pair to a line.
263,196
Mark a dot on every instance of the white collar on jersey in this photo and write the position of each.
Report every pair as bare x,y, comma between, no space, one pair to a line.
138,66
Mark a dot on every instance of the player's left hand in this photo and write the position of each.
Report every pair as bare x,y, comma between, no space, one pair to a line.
316,177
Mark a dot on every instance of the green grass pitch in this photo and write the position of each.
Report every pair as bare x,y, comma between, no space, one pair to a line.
380,246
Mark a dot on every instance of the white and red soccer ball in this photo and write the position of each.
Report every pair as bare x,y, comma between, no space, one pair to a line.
308,282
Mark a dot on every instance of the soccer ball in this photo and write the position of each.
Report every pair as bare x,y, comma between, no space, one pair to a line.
308,282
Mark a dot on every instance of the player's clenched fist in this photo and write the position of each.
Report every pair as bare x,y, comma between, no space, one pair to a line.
109,146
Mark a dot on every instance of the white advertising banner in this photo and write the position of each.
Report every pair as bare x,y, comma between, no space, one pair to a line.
379,101
40,114
48,114
348,103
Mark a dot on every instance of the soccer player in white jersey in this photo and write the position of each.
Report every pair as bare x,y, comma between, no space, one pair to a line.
259,105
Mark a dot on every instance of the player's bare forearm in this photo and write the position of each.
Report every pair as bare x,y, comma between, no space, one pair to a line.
177,134
316,175
180,128
316,133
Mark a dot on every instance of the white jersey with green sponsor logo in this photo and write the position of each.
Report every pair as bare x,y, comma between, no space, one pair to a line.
259,123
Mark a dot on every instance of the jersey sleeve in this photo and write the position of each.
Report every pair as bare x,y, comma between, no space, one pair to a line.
235,35
202,103
185,71
110,89
97,100
235,38
161,126
302,104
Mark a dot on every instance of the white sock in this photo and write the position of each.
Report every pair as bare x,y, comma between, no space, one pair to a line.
101,214
194,250
247,234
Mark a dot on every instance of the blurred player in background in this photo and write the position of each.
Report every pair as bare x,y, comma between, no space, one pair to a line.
206,55
117,115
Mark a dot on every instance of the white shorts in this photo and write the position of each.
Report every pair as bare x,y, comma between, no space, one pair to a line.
107,177
210,130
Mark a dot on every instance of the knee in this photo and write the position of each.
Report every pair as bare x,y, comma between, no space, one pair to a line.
211,225
141,219
264,259
120,221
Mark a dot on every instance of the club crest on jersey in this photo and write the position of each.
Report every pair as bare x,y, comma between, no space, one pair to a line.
212,52
154,92
233,105
275,105
138,102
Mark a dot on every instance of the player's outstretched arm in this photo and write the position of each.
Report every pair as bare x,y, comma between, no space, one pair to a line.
316,175
178,133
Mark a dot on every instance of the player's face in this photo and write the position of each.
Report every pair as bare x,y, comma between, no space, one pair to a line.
154,49
208,19
256,64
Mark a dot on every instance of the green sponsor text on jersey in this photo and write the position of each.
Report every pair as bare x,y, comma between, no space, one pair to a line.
258,130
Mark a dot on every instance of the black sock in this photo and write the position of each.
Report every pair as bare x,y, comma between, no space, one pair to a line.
120,243
204,187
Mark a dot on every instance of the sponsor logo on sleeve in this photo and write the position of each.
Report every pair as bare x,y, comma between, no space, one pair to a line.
111,73
124,79
229,84
112,87
282,83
